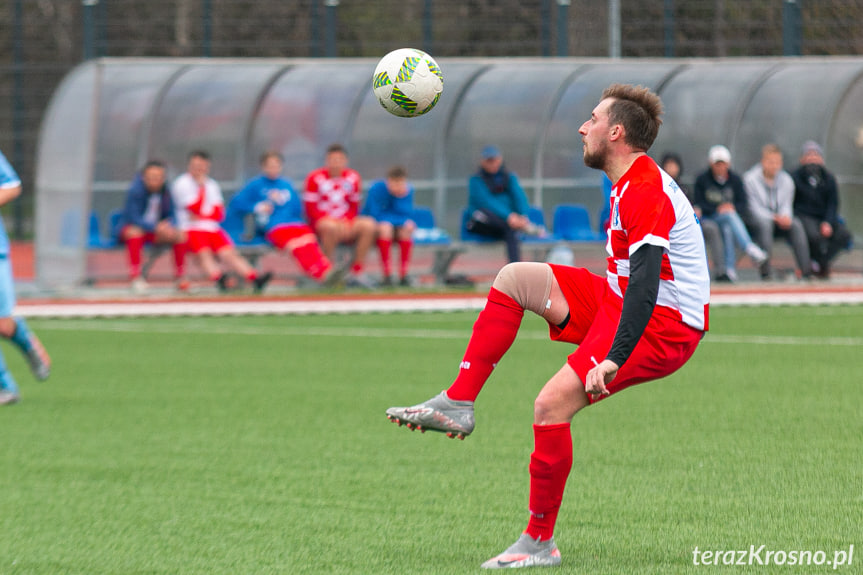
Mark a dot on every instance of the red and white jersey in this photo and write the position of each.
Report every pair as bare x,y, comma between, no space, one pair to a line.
647,207
334,197
198,206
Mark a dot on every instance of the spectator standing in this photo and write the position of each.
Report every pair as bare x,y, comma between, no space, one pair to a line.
13,328
816,204
200,209
148,218
332,200
497,204
770,205
277,210
718,199
391,202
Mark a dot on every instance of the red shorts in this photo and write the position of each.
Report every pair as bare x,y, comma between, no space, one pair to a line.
280,235
215,241
667,342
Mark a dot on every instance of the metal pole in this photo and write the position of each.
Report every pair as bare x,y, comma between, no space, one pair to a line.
545,28
614,29
668,24
332,7
89,28
18,107
428,22
315,28
563,27
207,24
791,28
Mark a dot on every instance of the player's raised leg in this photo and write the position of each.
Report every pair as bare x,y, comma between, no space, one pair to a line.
518,286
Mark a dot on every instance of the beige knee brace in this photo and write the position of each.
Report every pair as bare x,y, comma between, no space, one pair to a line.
528,283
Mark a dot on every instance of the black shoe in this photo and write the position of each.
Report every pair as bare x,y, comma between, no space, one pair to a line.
222,283
260,282
405,282
724,279
387,281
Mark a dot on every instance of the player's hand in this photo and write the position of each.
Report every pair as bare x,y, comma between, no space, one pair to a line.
600,376
826,230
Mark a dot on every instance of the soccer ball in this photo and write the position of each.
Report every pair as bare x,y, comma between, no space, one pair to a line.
407,82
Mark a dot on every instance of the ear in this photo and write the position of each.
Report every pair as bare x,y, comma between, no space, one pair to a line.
616,132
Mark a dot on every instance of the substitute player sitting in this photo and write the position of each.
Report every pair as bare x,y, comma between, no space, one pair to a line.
332,200
391,202
148,218
200,207
641,322
278,214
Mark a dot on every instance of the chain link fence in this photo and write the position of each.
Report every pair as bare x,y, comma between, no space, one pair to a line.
43,39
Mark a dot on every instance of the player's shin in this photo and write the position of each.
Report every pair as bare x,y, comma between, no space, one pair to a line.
550,464
493,333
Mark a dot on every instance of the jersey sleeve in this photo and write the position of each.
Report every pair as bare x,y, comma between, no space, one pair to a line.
647,215
311,195
8,177
353,196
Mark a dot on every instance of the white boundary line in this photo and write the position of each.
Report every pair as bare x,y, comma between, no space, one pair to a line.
370,305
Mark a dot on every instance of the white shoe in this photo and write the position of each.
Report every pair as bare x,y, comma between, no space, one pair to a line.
140,285
758,255
526,552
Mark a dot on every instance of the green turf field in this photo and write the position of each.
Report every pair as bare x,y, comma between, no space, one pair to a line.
259,445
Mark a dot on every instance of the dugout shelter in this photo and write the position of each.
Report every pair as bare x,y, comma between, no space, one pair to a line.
109,116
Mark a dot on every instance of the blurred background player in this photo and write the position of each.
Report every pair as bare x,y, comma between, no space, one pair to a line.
148,217
719,199
770,210
200,207
332,200
816,204
14,328
639,322
497,204
391,202
278,212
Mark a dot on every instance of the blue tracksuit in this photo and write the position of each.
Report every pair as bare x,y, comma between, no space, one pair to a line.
287,204
137,203
385,207
499,193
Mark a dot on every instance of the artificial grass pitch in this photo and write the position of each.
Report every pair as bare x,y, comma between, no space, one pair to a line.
260,445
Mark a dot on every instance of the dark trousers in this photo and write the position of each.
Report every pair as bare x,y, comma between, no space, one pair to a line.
823,249
486,223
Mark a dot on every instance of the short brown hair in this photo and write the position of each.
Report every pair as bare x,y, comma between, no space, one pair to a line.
272,154
638,110
332,148
397,173
770,149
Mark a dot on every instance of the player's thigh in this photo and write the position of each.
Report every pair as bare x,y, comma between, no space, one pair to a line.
583,292
560,398
7,288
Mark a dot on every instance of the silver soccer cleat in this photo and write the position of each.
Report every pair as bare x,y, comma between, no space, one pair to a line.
440,413
526,552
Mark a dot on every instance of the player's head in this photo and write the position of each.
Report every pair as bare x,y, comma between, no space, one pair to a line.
153,176
336,159
491,159
719,158
397,181
271,164
198,164
625,116
672,164
771,160
811,154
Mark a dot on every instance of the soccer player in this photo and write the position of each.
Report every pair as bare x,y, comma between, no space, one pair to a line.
278,213
391,202
641,322
200,207
14,328
148,217
332,200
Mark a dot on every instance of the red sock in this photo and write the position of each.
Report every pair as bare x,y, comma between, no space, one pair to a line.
311,259
252,276
179,260
404,256
135,246
550,464
494,331
384,247
356,268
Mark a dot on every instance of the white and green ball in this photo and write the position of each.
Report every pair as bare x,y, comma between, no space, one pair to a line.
407,82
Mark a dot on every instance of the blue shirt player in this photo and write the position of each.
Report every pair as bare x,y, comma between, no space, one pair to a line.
391,202
14,328
278,214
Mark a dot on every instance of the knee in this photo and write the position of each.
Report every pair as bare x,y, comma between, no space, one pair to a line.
528,283
7,327
385,231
